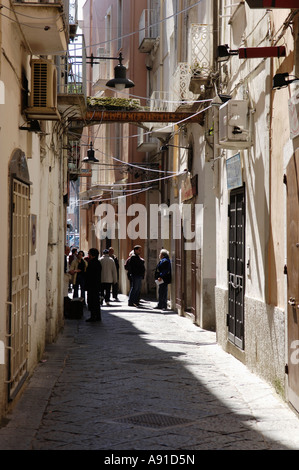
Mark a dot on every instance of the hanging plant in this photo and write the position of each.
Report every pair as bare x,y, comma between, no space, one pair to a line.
196,69
109,103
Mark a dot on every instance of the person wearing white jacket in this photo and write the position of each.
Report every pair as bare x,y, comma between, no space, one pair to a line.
109,275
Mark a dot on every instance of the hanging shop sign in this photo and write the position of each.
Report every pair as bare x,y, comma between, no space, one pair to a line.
142,116
272,3
189,188
87,173
83,172
234,172
261,52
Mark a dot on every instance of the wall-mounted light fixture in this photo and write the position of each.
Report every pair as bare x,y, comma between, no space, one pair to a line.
33,126
280,80
90,156
220,99
120,81
164,147
224,53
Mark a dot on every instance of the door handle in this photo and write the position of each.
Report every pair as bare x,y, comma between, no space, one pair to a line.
292,301
235,282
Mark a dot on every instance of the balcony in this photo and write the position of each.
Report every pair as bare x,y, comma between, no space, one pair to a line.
71,97
148,30
146,142
102,69
201,59
73,160
161,101
73,18
181,80
45,25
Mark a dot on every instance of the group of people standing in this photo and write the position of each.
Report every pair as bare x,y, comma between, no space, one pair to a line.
96,276
136,270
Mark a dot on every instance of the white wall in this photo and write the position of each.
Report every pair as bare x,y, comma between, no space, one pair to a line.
44,160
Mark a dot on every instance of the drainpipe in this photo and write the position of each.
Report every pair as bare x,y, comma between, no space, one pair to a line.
216,38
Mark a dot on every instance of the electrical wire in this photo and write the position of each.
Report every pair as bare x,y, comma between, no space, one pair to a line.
24,24
133,165
152,131
83,202
107,186
143,168
29,16
179,122
184,10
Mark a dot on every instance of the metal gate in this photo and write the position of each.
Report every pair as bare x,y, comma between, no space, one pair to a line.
292,181
179,301
19,291
236,267
193,268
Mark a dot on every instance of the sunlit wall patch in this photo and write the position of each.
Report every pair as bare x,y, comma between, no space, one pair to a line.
2,353
2,93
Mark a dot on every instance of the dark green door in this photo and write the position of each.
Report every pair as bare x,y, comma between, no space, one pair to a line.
236,267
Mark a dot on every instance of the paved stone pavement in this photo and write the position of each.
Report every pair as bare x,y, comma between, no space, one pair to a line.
146,380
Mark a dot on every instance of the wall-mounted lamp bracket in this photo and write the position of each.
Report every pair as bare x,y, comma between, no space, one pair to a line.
120,81
280,80
90,156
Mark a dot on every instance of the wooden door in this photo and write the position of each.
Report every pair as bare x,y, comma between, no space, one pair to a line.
179,301
293,278
193,268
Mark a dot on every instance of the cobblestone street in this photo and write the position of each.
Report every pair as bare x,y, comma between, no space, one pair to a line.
143,379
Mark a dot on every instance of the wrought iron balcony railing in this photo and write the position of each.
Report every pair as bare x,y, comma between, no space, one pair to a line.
72,68
201,52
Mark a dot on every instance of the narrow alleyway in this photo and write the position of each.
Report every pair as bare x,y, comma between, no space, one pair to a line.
143,379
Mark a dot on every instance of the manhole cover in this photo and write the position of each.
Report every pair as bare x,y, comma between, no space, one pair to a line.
153,420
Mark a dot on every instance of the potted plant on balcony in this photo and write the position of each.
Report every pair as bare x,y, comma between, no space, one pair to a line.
200,76
111,103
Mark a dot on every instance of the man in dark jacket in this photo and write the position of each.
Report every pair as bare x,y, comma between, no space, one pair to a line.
136,271
115,285
93,285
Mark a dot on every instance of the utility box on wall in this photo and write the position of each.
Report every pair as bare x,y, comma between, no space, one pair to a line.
234,125
43,97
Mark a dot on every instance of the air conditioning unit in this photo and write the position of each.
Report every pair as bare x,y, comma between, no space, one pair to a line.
234,125
43,97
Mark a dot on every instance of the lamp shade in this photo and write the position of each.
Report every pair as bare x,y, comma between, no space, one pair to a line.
90,156
281,80
120,81
224,53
